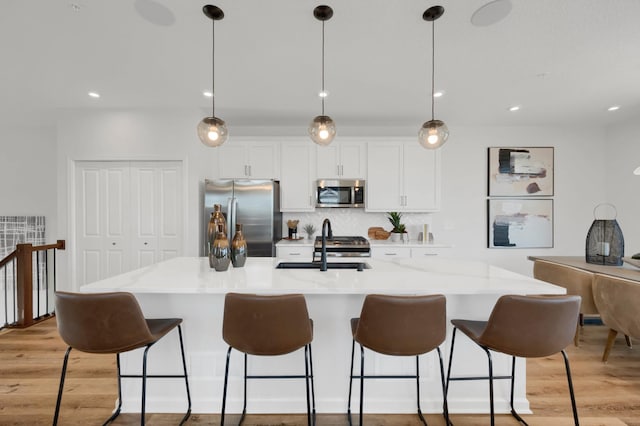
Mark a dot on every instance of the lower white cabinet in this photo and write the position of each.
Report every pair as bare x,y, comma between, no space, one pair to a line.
400,250
390,252
298,252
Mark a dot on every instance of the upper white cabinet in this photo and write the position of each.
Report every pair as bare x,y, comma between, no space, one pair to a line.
297,183
248,159
341,160
402,176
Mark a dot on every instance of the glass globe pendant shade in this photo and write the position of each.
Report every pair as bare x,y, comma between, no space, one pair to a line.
212,131
322,130
433,134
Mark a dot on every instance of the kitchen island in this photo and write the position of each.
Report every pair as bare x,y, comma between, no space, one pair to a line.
189,289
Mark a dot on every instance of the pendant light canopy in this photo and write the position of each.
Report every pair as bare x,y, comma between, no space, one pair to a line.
433,133
212,131
322,128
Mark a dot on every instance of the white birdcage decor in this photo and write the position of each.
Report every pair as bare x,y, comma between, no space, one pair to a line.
605,243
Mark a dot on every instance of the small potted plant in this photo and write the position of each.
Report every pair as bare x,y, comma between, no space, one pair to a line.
398,227
310,230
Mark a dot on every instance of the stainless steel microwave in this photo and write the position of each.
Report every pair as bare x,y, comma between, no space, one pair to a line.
340,193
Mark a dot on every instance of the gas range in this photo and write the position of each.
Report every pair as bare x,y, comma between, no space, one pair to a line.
343,246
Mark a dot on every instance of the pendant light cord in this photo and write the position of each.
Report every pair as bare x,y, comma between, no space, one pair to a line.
433,67
213,68
324,94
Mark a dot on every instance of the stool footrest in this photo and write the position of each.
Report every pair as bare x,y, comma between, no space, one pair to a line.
279,377
155,376
478,378
384,377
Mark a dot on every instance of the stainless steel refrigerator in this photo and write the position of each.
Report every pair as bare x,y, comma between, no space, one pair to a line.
253,203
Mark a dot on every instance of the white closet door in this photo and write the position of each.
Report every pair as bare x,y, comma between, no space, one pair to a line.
128,215
102,214
156,212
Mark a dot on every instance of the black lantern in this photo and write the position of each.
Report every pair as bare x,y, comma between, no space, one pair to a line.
605,243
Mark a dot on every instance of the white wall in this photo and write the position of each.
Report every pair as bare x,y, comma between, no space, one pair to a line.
27,174
580,170
622,186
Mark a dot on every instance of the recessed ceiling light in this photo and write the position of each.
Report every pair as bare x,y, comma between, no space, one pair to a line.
438,94
613,108
95,95
637,171
207,93
74,6
514,108
323,94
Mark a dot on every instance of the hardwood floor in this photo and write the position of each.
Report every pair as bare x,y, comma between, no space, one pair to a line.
608,394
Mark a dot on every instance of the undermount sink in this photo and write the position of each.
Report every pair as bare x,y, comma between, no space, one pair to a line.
330,265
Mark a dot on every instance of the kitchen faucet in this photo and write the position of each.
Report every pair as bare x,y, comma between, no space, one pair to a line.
326,233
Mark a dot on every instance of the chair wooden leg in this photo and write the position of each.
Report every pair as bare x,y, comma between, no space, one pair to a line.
628,339
610,340
576,338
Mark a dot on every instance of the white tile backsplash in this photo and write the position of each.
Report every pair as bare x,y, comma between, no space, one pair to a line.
354,221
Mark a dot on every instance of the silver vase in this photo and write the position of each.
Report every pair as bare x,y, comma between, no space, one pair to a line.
238,248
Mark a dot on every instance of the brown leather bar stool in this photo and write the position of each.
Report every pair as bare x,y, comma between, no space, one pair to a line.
402,326
268,326
523,326
112,323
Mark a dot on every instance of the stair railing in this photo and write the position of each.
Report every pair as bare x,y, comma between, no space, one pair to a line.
23,303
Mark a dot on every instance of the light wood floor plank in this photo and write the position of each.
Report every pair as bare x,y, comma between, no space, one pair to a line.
608,394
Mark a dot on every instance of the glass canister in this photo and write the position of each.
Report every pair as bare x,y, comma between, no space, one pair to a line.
238,248
220,255
212,230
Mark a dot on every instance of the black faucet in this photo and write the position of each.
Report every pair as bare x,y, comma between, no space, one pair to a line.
326,233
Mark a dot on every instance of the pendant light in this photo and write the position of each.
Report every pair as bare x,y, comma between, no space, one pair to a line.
212,131
322,129
433,133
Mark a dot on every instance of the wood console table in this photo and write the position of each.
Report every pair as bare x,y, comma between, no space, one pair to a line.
625,271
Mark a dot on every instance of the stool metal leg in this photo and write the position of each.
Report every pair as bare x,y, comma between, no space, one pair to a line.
445,406
513,380
418,390
353,345
144,383
116,413
307,384
313,392
186,380
573,397
493,421
244,404
61,387
224,390
361,382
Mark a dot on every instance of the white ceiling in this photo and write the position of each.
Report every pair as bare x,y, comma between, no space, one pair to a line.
563,61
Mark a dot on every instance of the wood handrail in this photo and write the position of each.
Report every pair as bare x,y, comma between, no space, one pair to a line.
8,258
23,255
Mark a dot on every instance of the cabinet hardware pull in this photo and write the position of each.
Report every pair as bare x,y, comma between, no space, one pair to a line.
294,254
391,254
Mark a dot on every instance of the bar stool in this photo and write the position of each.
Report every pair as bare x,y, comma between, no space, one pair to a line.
267,326
112,323
402,326
522,326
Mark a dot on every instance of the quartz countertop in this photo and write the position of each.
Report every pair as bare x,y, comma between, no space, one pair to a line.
192,275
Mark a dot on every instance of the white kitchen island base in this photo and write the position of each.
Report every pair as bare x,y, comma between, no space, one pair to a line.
189,289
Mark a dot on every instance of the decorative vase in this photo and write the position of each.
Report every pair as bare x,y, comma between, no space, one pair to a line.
220,255
238,248
395,237
212,231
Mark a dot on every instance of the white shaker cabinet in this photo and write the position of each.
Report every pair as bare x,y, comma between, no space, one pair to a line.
248,159
341,160
402,176
297,184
